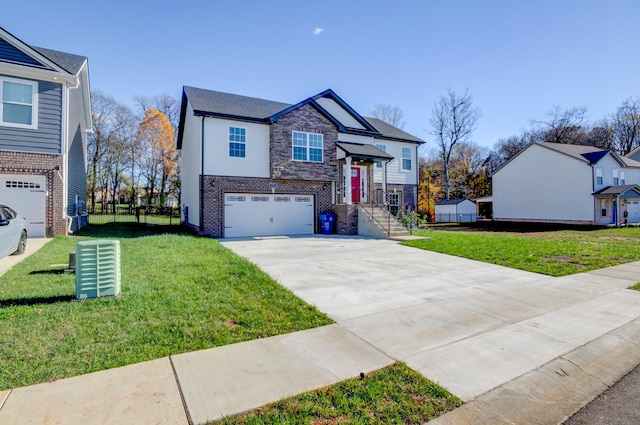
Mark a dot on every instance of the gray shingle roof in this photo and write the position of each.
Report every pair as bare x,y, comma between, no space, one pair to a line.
233,105
617,190
67,61
216,102
451,201
360,150
391,131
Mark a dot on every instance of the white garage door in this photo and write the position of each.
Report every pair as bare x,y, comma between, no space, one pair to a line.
258,214
26,195
633,211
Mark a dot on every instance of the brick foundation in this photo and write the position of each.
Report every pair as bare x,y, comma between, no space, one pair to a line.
37,164
347,219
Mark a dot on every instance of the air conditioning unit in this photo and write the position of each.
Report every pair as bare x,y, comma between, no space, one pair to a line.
97,269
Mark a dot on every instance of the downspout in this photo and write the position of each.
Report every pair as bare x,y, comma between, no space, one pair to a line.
417,180
65,150
201,206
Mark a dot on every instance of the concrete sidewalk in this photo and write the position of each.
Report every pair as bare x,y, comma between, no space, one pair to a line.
200,386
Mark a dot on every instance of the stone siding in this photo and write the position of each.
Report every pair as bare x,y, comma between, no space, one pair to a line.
306,119
38,164
215,187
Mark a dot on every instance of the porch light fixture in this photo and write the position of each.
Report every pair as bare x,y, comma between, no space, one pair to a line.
212,183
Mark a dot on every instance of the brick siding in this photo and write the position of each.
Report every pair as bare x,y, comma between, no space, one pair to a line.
37,164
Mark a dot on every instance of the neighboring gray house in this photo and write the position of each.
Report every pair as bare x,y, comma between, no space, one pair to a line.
45,114
254,167
456,211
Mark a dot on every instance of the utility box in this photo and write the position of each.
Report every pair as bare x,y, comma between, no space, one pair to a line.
97,269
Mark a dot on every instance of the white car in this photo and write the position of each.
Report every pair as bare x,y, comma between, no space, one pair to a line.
13,232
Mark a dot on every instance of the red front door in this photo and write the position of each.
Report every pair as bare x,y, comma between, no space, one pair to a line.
355,185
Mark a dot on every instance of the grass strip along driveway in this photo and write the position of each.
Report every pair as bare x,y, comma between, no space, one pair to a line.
395,395
179,293
554,253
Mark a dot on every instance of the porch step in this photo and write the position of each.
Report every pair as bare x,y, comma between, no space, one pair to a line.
387,224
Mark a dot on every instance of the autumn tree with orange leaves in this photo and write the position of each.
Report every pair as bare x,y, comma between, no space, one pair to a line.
158,162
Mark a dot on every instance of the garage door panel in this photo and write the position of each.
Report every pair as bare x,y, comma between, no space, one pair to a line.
633,211
27,195
268,215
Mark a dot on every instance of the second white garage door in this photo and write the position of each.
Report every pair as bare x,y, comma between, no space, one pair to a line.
27,195
258,214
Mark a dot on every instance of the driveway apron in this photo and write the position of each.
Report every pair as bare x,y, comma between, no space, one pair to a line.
468,325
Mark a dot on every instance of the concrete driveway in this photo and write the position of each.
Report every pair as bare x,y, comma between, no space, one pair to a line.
467,325
33,245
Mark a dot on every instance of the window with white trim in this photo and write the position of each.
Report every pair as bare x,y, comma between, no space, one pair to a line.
598,176
406,159
308,147
237,142
382,148
622,181
19,106
603,207
614,174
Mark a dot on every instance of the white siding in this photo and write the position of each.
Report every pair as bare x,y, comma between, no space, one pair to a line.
466,207
608,164
190,172
339,113
541,184
216,148
445,209
395,173
355,138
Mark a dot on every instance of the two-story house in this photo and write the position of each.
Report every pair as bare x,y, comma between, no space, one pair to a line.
45,114
255,167
559,183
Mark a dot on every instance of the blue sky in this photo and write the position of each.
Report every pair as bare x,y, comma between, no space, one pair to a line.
517,58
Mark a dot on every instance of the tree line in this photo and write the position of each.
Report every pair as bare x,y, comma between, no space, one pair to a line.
131,156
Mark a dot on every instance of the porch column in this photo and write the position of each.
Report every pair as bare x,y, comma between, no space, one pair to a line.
347,182
384,182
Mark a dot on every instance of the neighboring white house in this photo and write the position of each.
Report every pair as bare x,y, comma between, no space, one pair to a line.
559,183
255,167
456,211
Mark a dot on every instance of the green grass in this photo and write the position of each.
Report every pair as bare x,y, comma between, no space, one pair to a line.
179,293
395,395
555,253
636,287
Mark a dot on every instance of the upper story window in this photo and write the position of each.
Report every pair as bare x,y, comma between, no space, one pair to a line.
19,107
614,174
406,159
382,148
308,146
237,142
598,176
622,177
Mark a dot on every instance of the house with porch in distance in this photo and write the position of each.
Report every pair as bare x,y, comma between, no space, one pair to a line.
573,184
255,167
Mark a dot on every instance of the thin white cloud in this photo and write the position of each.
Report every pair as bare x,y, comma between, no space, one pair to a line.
318,31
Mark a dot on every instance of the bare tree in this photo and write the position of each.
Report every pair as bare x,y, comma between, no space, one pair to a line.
563,126
626,126
390,114
453,121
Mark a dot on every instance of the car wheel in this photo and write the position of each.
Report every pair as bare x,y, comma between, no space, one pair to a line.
22,245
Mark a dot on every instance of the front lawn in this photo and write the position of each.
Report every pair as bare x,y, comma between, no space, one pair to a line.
179,293
554,253
395,395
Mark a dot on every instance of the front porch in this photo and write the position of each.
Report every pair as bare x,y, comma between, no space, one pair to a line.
617,205
363,203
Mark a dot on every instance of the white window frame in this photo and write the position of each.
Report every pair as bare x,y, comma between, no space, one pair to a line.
622,180
599,179
403,158
614,176
34,103
307,146
383,148
240,142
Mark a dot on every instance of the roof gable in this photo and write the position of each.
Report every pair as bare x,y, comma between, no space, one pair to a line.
10,53
452,201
